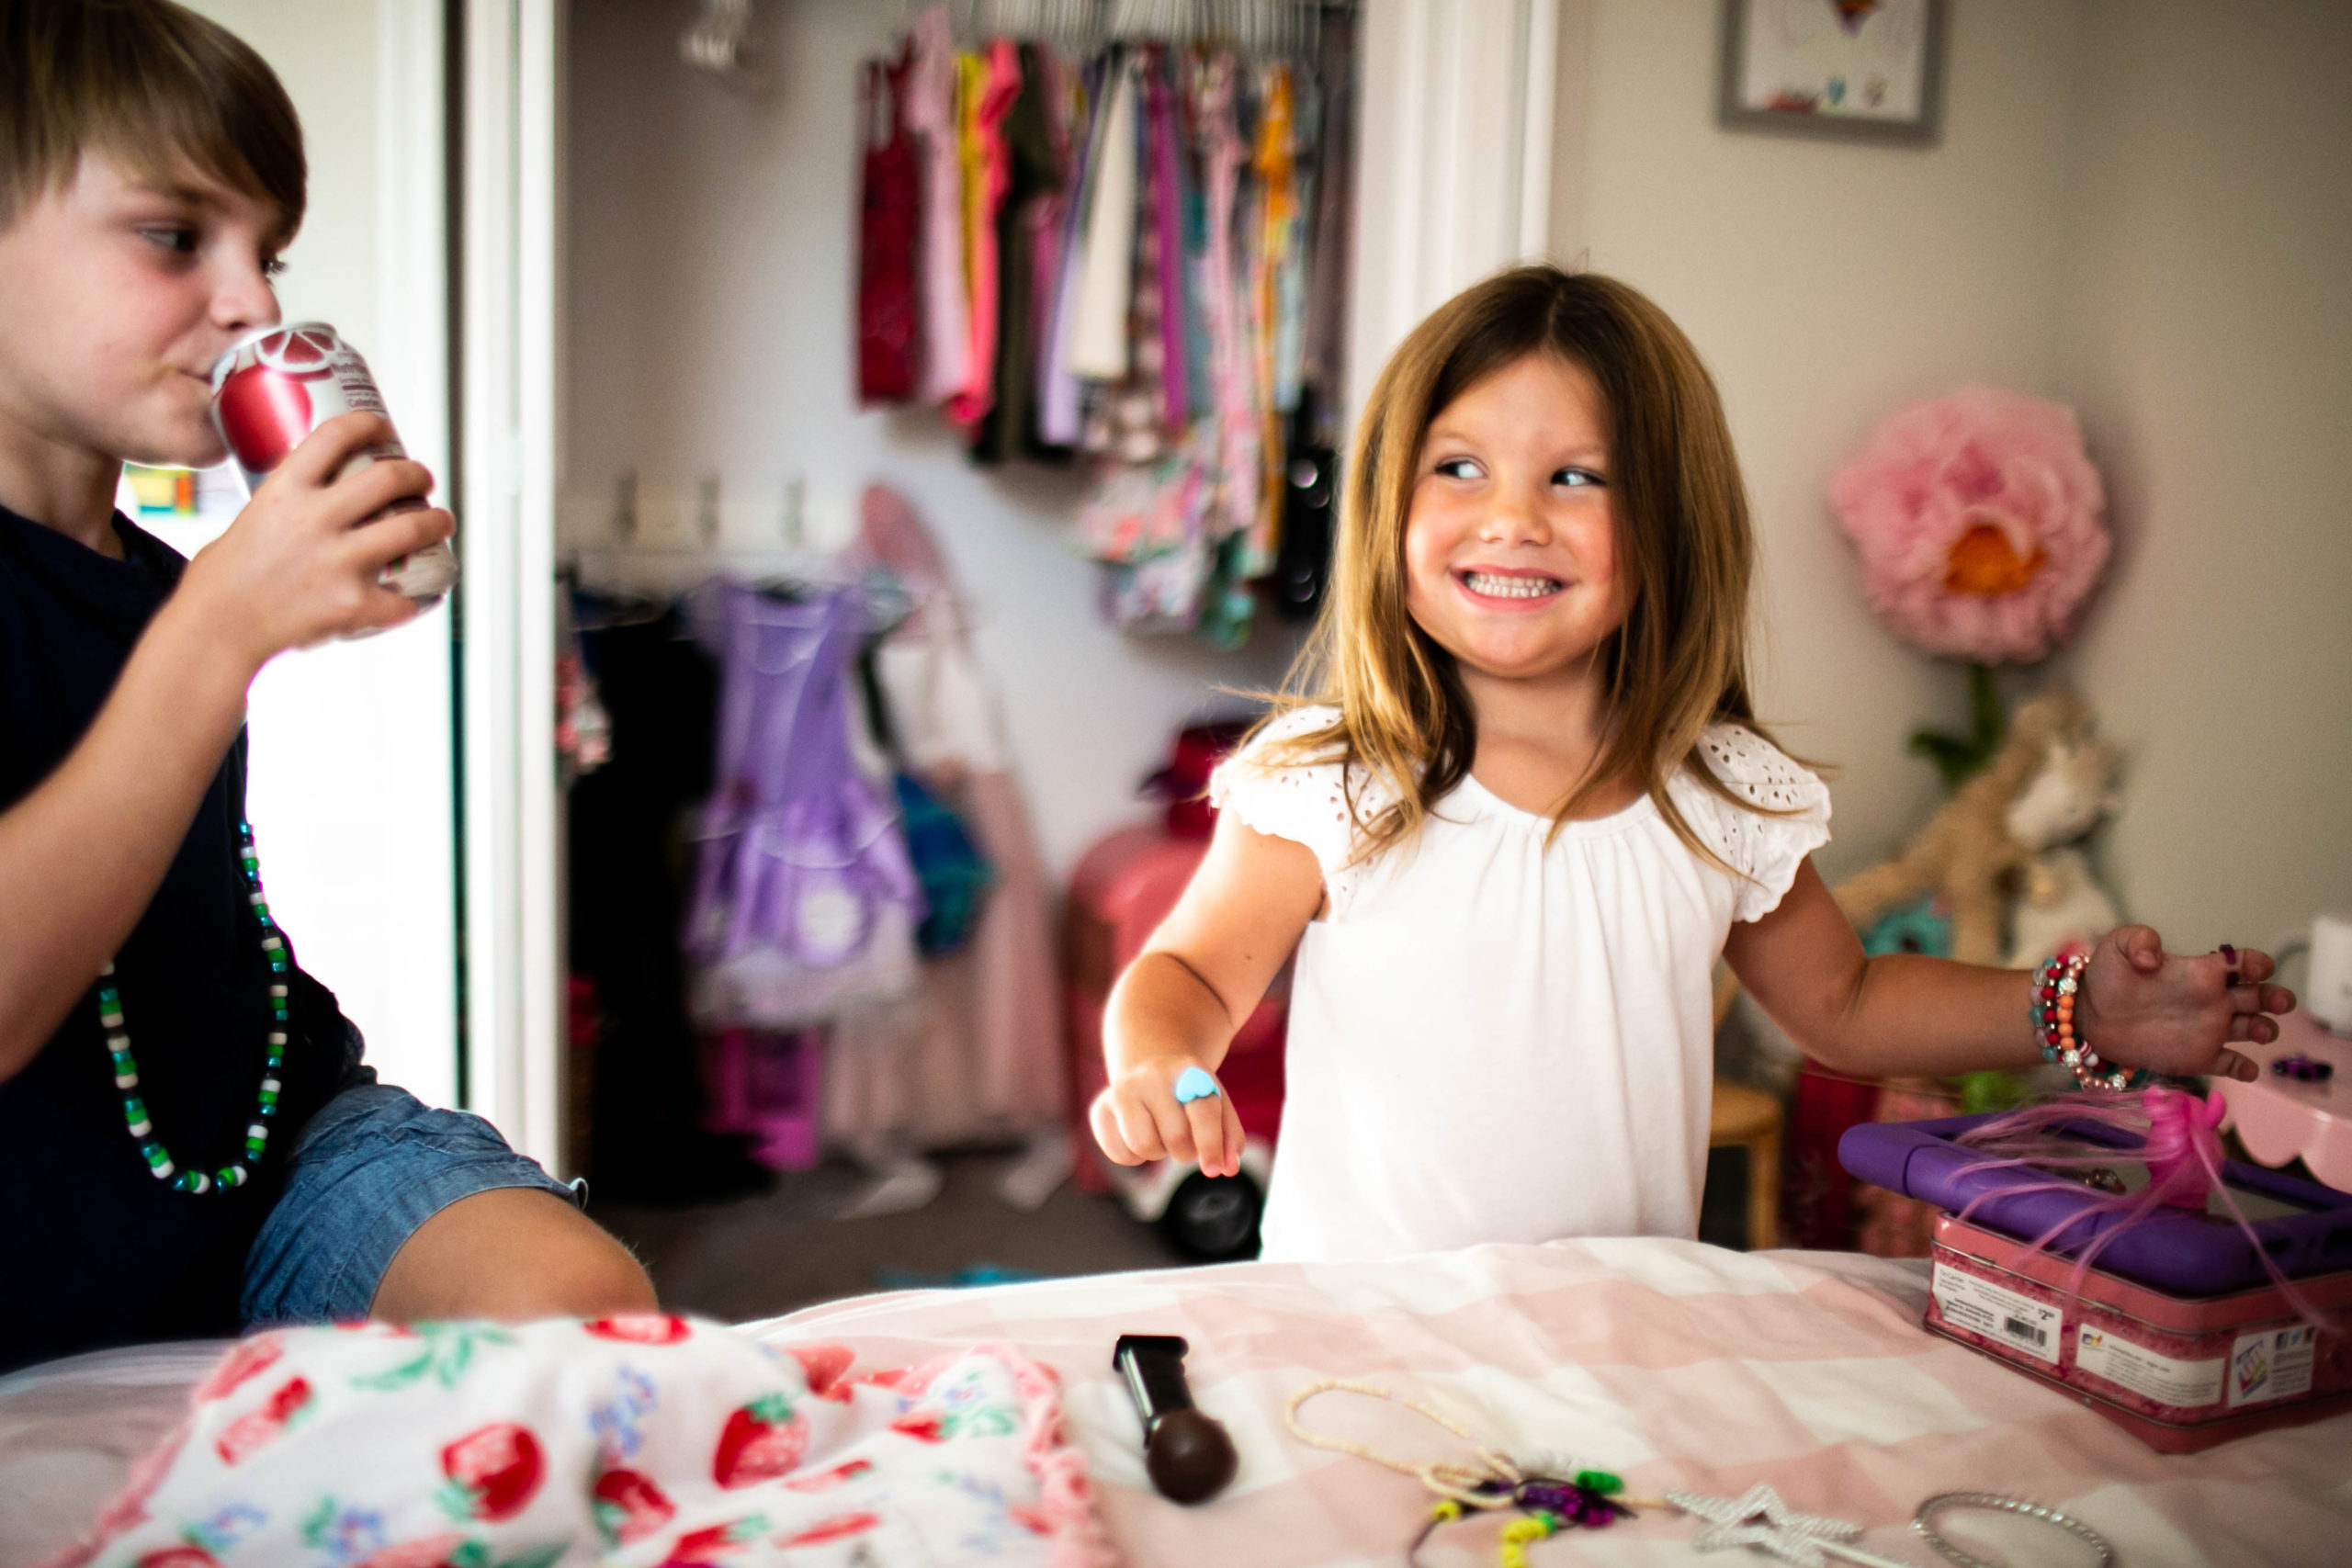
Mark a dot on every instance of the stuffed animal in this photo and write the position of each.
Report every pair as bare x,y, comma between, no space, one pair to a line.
2049,781
2058,900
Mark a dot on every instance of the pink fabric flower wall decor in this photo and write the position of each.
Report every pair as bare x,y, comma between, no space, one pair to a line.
1982,525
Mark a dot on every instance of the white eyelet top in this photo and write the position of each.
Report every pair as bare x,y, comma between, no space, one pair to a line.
1494,1037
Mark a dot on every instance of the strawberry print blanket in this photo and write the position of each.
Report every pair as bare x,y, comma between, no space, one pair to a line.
632,1442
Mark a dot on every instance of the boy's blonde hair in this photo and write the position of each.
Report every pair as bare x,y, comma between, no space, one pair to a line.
1683,547
158,88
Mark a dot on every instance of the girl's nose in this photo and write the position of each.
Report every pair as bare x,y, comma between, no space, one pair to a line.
1514,519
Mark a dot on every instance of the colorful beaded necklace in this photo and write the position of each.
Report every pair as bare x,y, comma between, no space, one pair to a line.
126,1068
1552,1494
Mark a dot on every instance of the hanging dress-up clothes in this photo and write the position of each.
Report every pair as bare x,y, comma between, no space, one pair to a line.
1323,341
1047,225
1059,421
1278,214
890,346
1008,427
932,117
1165,149
1098,335
1224,154
982,1057
988,84
805,902
1127,418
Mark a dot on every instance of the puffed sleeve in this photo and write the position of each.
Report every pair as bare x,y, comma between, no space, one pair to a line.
1307,804
1767,844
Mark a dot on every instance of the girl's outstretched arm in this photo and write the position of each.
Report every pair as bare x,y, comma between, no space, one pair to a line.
1180,1002
1908,1014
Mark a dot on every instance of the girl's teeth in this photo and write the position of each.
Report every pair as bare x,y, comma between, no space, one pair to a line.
1511,587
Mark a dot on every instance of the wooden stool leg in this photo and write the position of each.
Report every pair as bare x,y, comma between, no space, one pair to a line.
1764,1190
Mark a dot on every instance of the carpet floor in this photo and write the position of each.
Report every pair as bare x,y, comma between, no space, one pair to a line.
758,1257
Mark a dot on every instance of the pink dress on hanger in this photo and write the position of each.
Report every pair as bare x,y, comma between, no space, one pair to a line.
931,115
1168,218
981,1055
990,81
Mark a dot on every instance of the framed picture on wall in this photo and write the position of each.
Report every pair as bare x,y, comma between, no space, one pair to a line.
1864,70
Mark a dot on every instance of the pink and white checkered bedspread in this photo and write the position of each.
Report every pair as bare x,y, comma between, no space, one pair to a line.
1673,1364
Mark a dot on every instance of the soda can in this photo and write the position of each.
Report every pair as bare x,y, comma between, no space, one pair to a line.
275,386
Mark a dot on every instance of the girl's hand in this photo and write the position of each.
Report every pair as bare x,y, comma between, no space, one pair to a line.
1138,1118
298,566
2142,1007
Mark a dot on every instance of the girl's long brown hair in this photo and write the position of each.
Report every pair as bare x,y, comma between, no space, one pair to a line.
1684,550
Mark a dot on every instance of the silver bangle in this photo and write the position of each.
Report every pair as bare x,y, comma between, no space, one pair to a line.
1923,1521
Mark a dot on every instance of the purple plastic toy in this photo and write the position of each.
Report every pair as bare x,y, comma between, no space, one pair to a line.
2303,1068
2305,1228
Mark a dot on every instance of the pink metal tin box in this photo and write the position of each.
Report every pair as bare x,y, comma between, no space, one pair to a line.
2179,1373
2181,1334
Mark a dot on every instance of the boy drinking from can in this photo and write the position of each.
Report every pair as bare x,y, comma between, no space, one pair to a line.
189,1143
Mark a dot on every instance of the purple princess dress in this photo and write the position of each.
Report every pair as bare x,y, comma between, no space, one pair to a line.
805,902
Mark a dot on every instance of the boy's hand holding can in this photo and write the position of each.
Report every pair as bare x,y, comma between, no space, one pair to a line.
306,560
276,385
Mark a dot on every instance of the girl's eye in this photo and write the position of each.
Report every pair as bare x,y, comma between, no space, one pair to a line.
273,267
1456,468
177,238
1576,477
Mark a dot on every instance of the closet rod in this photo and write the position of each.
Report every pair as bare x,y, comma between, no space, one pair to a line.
1256,27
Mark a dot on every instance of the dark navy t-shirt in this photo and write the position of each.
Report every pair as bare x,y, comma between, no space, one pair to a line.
94,1250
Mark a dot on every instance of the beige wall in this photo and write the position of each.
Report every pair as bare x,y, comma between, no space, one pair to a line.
2104,171
2205,332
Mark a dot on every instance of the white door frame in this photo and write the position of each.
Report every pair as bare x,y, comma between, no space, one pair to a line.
353,785
512,351
412,361
1455,135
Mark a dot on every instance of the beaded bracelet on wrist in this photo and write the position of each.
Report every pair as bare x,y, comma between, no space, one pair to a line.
160,1163
2056,984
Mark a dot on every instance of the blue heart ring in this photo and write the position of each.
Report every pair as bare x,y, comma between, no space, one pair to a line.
1194,1083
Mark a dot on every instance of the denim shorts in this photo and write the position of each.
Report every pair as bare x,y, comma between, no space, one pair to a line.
370,1167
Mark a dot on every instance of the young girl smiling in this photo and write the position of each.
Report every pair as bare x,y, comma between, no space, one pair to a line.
1526,811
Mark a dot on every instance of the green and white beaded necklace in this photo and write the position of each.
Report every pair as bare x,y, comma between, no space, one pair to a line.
126,1066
